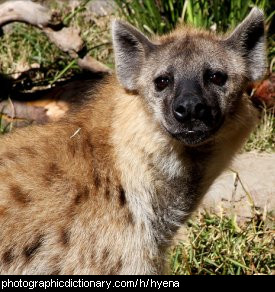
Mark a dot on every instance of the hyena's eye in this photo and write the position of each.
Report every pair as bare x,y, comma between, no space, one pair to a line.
217,78
162,82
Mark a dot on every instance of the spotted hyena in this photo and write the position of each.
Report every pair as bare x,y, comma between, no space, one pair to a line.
104,190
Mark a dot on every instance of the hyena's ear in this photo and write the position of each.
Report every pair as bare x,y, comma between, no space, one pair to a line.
130,49
248,39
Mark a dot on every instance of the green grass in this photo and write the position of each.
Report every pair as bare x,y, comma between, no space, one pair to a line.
25,46
4,128
159,16
219,246
5,125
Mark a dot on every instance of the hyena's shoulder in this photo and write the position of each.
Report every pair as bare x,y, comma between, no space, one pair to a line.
58,188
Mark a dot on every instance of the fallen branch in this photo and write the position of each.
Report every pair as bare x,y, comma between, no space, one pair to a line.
91,64
19,111
66,39
24,11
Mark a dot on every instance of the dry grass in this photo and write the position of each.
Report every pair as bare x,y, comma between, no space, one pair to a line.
263,138
95,30
23,47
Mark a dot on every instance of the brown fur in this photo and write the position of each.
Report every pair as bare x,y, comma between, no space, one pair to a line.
90,194
81,210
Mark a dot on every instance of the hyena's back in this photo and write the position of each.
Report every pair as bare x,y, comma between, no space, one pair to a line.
52,188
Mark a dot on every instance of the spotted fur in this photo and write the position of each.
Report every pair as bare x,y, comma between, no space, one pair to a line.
104,190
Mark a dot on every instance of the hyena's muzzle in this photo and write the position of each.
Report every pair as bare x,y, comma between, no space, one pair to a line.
196,116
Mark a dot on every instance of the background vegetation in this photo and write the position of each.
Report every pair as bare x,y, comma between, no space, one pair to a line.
217,244
160,16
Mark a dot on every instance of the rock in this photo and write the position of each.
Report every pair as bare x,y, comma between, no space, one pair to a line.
249,182
102,7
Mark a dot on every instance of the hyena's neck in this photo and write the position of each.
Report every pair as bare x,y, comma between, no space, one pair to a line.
161,178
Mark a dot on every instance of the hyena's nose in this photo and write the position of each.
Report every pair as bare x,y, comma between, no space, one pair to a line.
185,110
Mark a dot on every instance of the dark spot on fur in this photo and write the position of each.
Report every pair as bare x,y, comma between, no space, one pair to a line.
52,172
107,192
93,260
72,147
89,145
2,163
30,250
88,148
55,272
116,268
54,169
19,195
82,195
77,199
122,197
8,256
97,181
55,263
10,156
3,211
28,150
151,166
107,187
71,211
129,217
105,254
65,237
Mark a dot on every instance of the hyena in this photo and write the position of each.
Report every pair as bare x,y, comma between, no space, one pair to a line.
105,189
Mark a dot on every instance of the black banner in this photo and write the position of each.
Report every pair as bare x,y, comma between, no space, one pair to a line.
113,282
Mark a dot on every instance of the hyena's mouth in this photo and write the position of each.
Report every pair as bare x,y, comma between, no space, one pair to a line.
195,136
190,137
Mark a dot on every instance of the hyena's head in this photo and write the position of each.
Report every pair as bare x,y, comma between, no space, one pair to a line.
191,80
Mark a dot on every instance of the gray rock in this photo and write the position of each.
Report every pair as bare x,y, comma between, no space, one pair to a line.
102,7
250,181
